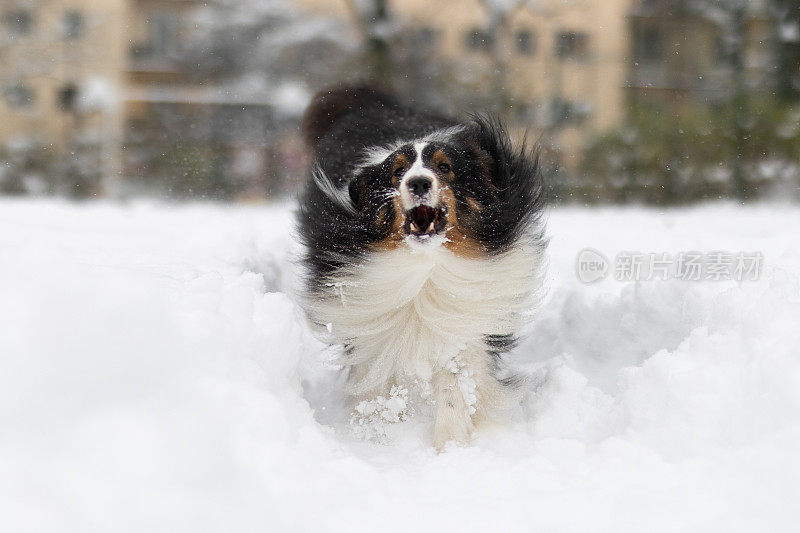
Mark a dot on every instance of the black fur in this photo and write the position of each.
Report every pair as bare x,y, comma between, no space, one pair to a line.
342,123
520,192
497,190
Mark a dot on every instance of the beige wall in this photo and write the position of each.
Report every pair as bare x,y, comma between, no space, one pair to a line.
46,62
98,62
595,81
113,27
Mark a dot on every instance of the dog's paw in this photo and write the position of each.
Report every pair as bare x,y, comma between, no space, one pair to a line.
451,428
440,445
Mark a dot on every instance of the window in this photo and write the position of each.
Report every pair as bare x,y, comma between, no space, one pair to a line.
140,51
163,32
723,53
525,42
19,96
19,22
426,37
572,45
73,25
68,97
478,39
524,112
649,45
565,112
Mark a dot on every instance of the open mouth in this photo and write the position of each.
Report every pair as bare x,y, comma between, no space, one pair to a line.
425,221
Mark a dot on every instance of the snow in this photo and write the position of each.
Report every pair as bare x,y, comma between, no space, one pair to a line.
466,382
156,375
789,32
289,98
98,94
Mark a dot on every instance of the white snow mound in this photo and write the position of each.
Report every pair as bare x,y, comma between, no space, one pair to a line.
158,376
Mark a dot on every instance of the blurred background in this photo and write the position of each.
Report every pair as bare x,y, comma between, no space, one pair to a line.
646,101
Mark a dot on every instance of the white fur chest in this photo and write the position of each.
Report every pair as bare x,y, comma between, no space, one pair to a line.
408,311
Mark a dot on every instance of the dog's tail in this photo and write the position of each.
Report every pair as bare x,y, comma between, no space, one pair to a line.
332,103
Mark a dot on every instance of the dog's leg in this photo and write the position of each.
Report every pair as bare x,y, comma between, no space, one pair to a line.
362,386
456,400
452,419
467,395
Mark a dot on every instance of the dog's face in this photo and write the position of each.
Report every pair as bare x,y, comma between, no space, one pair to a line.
421,190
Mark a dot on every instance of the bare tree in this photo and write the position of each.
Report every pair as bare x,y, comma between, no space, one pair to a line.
265,38
377,26
731,17
499,13
786,27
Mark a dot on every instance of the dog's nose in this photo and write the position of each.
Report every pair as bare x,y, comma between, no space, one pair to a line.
419,185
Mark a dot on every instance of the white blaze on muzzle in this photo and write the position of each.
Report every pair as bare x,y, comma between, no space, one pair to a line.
418,170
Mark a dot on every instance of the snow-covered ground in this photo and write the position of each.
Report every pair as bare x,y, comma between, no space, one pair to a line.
155,375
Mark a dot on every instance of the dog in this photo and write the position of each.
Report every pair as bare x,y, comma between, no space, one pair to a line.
423,250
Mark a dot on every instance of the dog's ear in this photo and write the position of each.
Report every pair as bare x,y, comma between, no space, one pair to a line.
356,191
489,149
358,188
513,176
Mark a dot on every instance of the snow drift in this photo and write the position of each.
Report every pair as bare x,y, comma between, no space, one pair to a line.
156,375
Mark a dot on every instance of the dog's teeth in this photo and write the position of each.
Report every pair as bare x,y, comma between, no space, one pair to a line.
414,227
430,227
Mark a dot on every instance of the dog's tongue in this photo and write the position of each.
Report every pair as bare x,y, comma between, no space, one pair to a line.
422,216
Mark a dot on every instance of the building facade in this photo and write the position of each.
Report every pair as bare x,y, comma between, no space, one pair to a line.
102,79
562,66
61,75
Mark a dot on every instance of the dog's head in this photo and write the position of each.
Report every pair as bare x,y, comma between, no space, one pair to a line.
463,187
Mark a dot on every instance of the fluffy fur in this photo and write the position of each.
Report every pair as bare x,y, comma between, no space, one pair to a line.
423,249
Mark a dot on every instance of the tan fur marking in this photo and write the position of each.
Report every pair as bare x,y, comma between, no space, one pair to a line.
401,161
474,204
396,236
458,241
438,158
383,216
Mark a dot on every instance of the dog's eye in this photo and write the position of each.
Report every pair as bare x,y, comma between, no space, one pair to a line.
399,171
444,168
